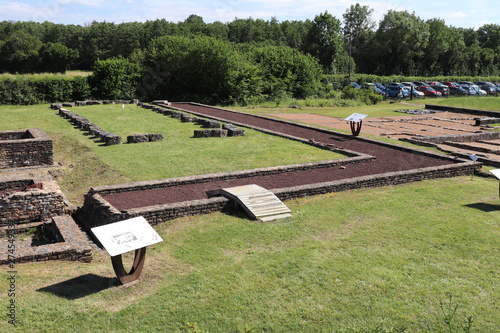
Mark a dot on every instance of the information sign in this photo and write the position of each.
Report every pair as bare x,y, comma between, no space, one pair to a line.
128,235
356,117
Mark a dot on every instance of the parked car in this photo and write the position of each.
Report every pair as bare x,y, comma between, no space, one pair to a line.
380,86
416,93
394,89
489,87
420,83
355,85
481,92
457,91
374,87
429,91
394,85
444,90
470,87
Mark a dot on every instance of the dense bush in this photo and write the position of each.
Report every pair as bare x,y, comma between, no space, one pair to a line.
35,90
115,78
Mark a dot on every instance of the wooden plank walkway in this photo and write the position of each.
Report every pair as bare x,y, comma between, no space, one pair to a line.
258,202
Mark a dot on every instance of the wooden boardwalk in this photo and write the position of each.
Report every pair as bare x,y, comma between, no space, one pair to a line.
258,202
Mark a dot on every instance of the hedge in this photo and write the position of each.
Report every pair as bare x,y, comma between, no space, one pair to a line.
39,89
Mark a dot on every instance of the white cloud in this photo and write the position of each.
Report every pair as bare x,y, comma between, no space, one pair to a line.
93,3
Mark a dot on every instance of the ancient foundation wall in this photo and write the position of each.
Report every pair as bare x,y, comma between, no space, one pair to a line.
30,206
30,147
493,114
73,246
97,211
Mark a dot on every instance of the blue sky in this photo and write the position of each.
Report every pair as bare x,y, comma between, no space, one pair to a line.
458,13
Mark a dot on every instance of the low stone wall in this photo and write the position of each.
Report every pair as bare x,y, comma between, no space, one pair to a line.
213,126
73,246
486,121
15,185
97,211
85,124
493,114
30,206
139,138
25,148
455,138
57,106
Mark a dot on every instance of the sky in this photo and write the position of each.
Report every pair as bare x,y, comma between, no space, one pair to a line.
457,13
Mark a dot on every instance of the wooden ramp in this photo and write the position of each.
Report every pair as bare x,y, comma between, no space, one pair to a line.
258,202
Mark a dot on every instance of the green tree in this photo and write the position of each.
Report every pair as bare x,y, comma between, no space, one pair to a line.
325,41
400,41
115,78
20,52
358,31
287,72
56,58
197,68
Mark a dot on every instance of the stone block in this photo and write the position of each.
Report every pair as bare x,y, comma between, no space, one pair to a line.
208,123
113,139
56,106
202,133
185,118
236,132
218,133
155,137
137,138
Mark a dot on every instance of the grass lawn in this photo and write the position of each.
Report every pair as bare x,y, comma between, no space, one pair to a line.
378,260
390,259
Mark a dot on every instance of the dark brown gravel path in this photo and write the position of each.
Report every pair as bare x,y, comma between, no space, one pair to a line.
388,159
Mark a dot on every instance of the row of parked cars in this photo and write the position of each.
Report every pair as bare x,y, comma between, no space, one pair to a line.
432,89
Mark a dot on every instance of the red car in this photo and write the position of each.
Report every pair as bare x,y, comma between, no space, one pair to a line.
429,91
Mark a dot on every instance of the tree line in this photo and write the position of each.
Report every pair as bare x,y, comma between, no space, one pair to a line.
245,58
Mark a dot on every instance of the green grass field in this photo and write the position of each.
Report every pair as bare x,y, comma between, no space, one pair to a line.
390,259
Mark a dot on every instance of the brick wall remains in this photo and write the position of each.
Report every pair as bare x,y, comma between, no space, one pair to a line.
30,206
31,147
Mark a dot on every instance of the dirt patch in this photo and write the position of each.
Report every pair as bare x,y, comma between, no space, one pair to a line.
442,123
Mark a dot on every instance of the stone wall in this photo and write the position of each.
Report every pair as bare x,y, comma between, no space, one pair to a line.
85,124
493,114
74,245
471,137
30,147
30,206
214,126
97,211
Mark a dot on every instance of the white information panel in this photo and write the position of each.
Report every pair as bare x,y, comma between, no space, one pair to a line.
128,235
356,117
496,173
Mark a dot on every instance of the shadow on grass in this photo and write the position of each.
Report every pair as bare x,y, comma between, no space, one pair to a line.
485,207
81,286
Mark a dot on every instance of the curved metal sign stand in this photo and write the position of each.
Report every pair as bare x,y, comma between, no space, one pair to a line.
356,122
125,236
135,272
356,127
